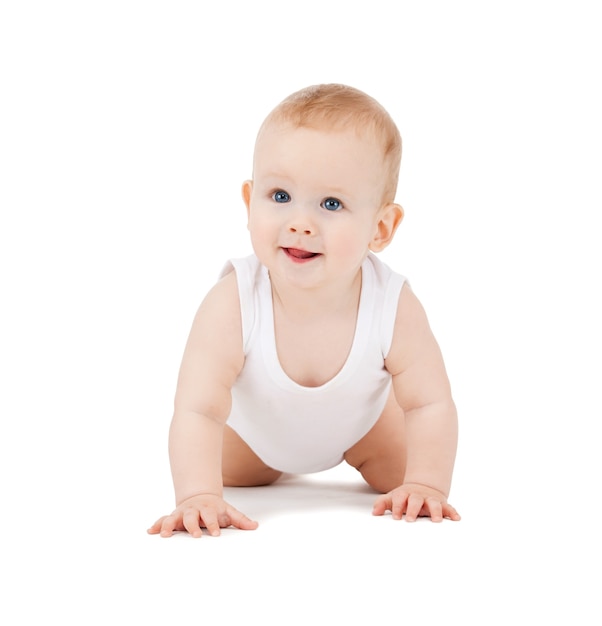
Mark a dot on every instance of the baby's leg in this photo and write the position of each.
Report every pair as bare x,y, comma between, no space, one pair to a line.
241,467
380,456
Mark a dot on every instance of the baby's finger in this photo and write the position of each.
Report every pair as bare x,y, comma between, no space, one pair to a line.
435,509
399,505
190,521
155,529
414,507
450,513
382,504
210,521
168,526
240,520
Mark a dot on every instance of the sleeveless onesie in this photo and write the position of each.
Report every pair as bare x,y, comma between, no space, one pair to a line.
299,429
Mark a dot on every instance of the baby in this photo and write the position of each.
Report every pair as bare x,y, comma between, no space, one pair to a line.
312,351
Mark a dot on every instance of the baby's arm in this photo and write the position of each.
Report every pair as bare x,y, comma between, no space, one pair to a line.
212,360
422,390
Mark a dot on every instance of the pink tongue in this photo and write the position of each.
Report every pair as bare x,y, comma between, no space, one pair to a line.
300,254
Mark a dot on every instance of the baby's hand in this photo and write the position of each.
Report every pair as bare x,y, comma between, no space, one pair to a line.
209,511
415,501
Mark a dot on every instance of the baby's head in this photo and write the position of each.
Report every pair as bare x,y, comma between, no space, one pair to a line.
334,107
330,154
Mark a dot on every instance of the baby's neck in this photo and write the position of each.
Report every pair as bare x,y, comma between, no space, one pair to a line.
306,305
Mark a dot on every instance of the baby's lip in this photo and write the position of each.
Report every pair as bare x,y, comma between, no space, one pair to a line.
300,254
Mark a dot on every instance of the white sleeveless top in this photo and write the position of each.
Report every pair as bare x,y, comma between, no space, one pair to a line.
299,429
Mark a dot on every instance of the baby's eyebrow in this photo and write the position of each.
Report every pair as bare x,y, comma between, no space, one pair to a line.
337,191
275,176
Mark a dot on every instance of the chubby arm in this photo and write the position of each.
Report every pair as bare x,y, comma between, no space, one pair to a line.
212,360
423,391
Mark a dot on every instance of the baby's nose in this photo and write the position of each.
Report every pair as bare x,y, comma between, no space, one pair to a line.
301,222
302,229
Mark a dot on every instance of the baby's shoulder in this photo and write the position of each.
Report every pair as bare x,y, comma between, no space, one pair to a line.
220,307
411,332
226,287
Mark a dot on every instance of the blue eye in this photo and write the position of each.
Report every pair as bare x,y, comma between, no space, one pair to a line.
281,196
332,204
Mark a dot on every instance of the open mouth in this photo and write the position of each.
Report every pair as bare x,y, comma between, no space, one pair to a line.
300,255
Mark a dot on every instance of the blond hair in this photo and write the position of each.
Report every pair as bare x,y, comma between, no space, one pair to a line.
340,107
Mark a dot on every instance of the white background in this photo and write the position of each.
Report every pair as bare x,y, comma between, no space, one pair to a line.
126,129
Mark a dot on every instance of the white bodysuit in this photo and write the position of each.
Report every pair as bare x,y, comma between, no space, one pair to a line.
300,429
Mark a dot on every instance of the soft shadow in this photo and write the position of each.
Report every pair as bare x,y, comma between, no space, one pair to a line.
298,494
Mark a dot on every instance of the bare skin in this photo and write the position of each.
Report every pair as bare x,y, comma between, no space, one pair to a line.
379,456
241,466
409,453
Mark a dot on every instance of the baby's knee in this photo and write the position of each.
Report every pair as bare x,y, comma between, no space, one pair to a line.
382,473
241,467
380,456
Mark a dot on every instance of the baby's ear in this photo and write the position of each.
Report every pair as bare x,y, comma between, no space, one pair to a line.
247,190
389,218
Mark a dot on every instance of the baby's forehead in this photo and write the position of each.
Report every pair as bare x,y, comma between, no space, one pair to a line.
286,129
